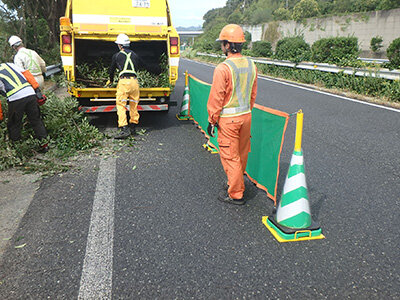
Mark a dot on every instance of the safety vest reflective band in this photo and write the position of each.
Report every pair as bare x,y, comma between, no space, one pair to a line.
243,74
13,81
128,63
33,65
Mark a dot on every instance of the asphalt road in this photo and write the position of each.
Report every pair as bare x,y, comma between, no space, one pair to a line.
170,238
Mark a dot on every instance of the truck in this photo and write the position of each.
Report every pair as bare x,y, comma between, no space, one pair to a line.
87,35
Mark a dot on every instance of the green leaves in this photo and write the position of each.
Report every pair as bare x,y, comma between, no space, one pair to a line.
294,49
368,86
96,75
335,50
69,132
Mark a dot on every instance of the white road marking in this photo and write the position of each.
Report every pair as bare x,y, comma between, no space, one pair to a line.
313,90
96,280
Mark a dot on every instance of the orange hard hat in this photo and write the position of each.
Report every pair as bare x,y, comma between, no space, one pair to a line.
232,33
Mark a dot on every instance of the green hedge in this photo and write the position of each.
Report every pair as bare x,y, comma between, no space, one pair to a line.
369,86
261,49
335,50
393,53
294,49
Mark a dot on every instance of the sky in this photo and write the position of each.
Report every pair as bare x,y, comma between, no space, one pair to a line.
188,13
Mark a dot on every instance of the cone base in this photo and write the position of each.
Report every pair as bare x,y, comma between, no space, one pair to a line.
183,118
210,149
285,234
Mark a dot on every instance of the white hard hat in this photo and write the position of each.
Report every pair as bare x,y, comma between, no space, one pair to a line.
14,40
122,39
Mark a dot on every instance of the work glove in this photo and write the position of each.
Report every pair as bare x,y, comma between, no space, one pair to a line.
108,83
211,129
42,100
39,94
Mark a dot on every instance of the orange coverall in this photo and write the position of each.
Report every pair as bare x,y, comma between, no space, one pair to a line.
233,132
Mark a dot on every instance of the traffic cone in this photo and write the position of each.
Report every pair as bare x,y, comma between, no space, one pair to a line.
185,108
293,220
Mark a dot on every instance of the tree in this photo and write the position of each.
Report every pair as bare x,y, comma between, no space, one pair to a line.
281,14
36,22
305,9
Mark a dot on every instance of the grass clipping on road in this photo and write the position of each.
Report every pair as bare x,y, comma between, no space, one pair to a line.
69,133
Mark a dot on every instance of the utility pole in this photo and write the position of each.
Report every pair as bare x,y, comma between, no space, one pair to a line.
287,4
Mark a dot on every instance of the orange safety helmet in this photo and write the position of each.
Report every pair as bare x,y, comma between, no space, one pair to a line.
232,33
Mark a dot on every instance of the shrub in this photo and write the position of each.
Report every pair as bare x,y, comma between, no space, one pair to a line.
388,4
261,15
247,36
371,86
281,14
294,49
335,50
262,48
305,9
393,53
376,43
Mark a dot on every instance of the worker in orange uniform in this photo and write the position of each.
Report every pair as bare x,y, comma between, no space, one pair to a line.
232,97
128,86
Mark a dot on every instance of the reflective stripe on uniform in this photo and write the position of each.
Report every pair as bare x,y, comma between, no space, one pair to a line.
14,81
33,65
243,75
128,63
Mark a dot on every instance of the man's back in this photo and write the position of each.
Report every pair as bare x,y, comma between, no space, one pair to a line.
28,59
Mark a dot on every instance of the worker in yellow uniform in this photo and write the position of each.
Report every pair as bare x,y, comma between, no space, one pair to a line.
28,59
126,62
232,97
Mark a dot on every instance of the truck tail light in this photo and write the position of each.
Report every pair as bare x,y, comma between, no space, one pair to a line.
66,43
173,42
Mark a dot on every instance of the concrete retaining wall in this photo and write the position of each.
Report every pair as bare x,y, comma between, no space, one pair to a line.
364,26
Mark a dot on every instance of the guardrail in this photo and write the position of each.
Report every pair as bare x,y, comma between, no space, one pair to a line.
374,60
378,73
53,69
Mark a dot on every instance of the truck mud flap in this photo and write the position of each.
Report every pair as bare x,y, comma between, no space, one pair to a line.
113,108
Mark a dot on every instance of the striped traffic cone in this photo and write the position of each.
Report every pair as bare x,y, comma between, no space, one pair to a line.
293,220
294,210
185,108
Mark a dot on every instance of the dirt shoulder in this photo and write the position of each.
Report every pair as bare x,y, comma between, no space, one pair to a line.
17,191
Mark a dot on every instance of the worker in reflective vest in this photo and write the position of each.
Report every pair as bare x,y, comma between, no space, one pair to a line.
23,96
28,59
232,97
127,88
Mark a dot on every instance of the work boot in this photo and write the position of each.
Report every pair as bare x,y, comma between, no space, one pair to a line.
224,197
124,133
132,127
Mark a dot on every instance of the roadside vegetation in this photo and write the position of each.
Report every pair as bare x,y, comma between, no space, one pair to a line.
382,90
70,134
339,51
253,12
